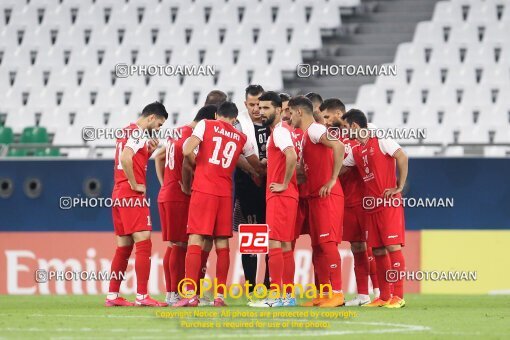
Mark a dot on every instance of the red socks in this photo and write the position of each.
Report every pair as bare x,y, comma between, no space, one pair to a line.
222,265
398,264
361,269
193,263
289,267
142,265
373,269
119,265
177,263
383,264
204,256
315,254
166,269
333,263
276,266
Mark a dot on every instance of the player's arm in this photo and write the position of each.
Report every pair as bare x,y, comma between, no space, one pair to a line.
290,167
252,158
300,172
402,169
391,148
243,164
187,176
283,141
338,156
159,160
189,147
126,159
153,145
348,163
191,144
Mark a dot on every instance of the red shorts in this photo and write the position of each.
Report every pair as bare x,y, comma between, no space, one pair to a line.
325,216
302,226
355,224
281,214
386,227
174,217
129,220
210,215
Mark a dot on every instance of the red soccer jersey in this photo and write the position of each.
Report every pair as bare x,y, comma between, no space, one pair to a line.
376,165
281,138
217,156
318,161
352,183
171,189
298,136
121,186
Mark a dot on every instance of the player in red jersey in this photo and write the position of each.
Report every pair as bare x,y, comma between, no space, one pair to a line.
173,203
281,200
354,216
377,161
210,212
133,224
322,160
297,134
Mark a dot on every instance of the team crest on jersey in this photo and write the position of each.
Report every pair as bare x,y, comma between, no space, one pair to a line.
348,148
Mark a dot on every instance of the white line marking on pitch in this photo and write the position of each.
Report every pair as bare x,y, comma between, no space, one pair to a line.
402,328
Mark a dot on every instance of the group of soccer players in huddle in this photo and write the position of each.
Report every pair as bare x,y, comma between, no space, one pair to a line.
301,165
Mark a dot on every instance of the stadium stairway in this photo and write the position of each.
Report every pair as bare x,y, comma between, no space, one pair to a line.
369,36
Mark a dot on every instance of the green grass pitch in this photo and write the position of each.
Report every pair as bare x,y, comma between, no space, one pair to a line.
424,317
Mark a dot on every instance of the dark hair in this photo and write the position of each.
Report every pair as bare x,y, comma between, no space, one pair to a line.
285,97
272,96
155,108
253,90
332,104
314,97
206,112
356,116
216,97
302,102
228,110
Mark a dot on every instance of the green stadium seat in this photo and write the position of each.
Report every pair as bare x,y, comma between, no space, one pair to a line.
34,135
47,152
6,135
16,152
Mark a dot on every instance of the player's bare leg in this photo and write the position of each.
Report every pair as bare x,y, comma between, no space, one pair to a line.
118,268
383,265
143,253
361,271
192,269
222,265
398,266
